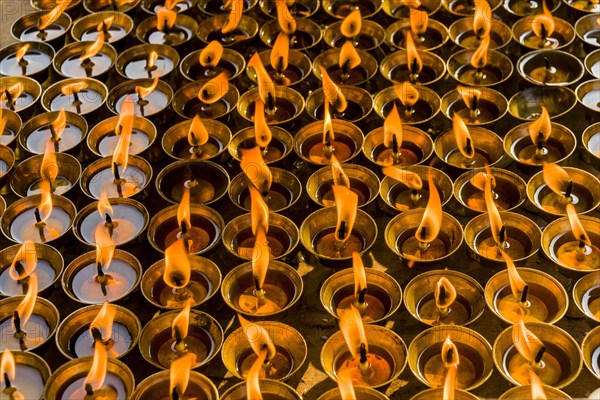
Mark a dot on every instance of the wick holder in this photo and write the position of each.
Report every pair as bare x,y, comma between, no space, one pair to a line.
85,28
462,34
288,105
359,104
525,105
486,144
497,70
183,31
187,104
424,110
309,146
329,60
416,147
370,37
564,68
102,138
491,107
87,101
279,148
395,68
363,182
26,178
175,141
132,62
434,37
231,62
210,29
560,145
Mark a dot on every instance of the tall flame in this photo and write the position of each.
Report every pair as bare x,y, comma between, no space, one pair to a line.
258,337
517,284
15,91
451,359
22,51
280,52
352,24
120,156
211,54
97,374
234,17
333,94
479,57
287,22
346,203
462,136
48,19
255,168
103,321
105,24
8,366
180,371
104,206
266,88
178,269
259,211
49,166
445,293
45,207
338,174
353,330
214,89
59,124
105,246
253,378
392,130
328,133
360,277
183,211
144,91
418,21
181,322
262,132
165,19
415,64
543,24
470,96
26,255
152,57
197,134
349,58
261,255
526,343
496,225
576,226
480,179
126,117
482,19
431,223
26,306
93,48
410,179
407,93
540,129
557,179
345,386
537,387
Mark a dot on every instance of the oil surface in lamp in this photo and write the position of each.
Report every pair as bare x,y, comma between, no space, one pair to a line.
86,287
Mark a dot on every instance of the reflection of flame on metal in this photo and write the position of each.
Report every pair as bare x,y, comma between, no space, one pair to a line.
211,54
179,376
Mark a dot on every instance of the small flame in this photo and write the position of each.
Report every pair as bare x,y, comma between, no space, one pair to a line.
104,321
258,337
557,179
234,17
410,179
105,24
445,293
266,88
540,129
211,54
352,24
479,57
418,21
49,167
197,135
415,64
462,136
45,207
15,91
287,22
144,91
345,386
22,51
576,226
97,374
262,132
346,203
48,19
214,89
353,330
431,223
181,322
360,277
180,371
26,306
280,53
451,359
470,96
259,211
183,211
253,378
496,225
255,168
333,94
480,179
543,24
73,88
537,387
338,174
407,93
105,246
93,48
526,343
517,284
152,57
482,19
178,269
8,366
392,129
165,19
27,255
104,206
349,58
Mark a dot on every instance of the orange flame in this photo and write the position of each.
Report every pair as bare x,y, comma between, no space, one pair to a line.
526,343
8,366
360,277
180,371
73,88
346,203
482,18
349,58
197,134
120,156
255,168
26,306
338,174
234,17
170,4
470,95
27,255
59,124
266,88
183,211
352,24
253,378
557,179
353,330
451,360
345,386
48,19
104,321
287,22
418,21
479,57
333,94
165,18
93,48
104,206
259,210
410,179
45,207
480,179
49,167
214,89
261,255
392,129
105,246
415,64
15,91
537,387
126,117
97,374
496,225
152,57
181,322
211,54
462,136
328,134
540,129
144,91
280,52
576,226
543,24
517,284
258,337
22,51
262,132
445,293
407,93
105,24
178,269
431,223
